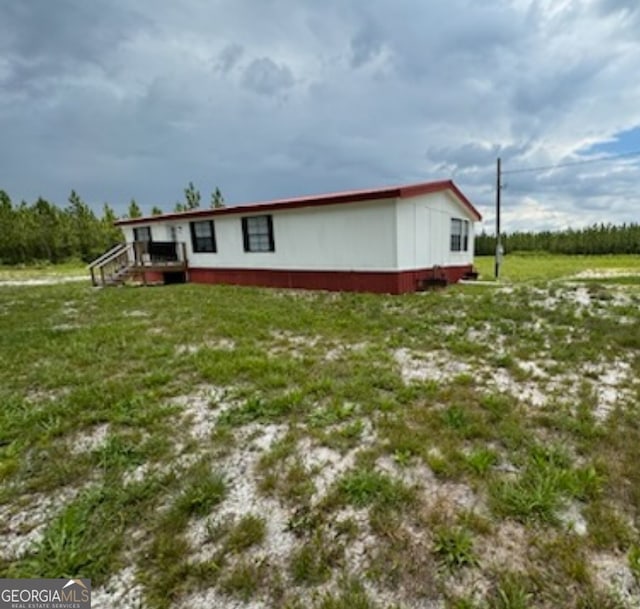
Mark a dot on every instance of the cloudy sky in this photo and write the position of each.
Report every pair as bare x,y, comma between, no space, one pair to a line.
277,98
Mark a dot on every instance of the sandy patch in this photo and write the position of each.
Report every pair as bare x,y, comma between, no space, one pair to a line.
606,273
121,591
202,408
223,344
328,464
573,520
609,381
46,395
293,345
136,313
41,281
485,335
428,366
244,498
505,548
339,351
212,599
612,574
88,440
528,392
357,552
22,525
65,327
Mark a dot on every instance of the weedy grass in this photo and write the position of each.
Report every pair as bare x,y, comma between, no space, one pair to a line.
454,547
88,387
512,591
314,562
204,489
89,535
546,483
249,531
352,595
245,579
634,561
365,487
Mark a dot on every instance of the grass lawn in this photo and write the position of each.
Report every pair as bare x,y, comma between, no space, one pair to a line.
214,446
540,267
73,268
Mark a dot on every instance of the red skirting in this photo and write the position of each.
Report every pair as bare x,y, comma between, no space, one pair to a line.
154,276
150,277
390,282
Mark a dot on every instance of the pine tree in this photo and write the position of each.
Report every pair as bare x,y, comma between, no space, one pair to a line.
217,200
192,196
111,233
85,228
8,237
134,210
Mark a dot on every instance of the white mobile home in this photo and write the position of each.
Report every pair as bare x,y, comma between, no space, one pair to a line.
391,240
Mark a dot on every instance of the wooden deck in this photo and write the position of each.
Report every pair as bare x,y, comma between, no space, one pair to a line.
139,259
158,267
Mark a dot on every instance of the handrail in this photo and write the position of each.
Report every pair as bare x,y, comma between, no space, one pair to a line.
128,257
116,249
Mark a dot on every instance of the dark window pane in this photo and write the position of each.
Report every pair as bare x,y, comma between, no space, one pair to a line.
203,236
258,234
142,233
456,235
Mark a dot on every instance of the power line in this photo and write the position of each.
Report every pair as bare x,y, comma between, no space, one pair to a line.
612,157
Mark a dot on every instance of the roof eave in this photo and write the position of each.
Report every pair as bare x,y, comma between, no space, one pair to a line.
400,192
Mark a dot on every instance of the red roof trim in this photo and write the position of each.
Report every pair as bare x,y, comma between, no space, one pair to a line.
400,192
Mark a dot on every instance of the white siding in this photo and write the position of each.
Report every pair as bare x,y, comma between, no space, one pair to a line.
424,231
387,235
341,237
127,231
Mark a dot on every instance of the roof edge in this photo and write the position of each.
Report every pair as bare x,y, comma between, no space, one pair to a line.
402,192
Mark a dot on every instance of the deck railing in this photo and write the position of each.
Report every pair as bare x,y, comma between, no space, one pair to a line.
159,252
136,257
110,263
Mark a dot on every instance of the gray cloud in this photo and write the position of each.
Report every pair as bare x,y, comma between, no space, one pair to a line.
44,40
229,57
274,98
366,44
267,77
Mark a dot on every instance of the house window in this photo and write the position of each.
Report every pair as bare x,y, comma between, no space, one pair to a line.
459,235
257,234
142,233
203,236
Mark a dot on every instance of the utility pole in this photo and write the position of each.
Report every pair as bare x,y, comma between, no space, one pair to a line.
499,249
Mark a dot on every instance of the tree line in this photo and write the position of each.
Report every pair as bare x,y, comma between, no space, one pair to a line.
43,231
596,239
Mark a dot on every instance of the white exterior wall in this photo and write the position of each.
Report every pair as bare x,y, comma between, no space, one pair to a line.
127,231
387,235
424,231
355,236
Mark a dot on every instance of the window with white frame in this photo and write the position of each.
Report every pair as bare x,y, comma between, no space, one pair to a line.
203,236
257,234
459,235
